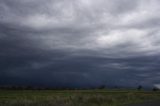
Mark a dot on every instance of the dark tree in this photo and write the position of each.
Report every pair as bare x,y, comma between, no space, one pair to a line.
139,87
102,87
155,89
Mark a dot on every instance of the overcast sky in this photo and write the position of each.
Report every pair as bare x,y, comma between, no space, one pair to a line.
80,42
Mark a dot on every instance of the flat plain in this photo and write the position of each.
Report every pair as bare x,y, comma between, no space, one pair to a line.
75,97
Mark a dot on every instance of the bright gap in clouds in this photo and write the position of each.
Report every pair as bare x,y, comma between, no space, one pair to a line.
96,25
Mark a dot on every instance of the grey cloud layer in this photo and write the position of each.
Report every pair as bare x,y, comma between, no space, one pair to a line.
43,36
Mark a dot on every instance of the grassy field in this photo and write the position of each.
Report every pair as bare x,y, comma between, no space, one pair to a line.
75,97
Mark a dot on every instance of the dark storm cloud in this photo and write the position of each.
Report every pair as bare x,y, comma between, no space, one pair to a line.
79,43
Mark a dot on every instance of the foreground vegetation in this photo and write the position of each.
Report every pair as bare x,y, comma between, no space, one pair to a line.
74,97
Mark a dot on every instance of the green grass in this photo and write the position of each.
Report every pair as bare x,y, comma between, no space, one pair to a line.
75,98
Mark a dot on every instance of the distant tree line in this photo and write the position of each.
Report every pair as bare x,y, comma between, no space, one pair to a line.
34,88
10,87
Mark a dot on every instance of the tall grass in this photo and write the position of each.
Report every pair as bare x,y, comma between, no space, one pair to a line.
74,98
